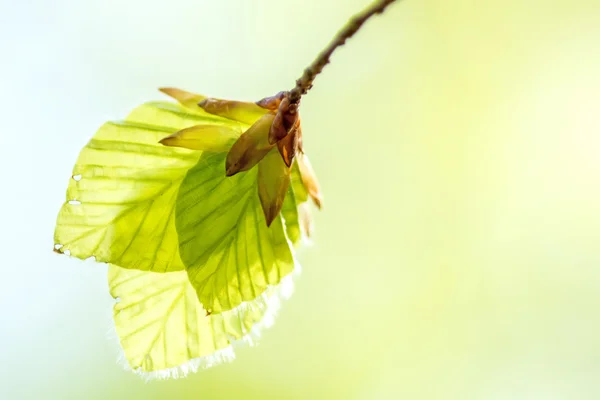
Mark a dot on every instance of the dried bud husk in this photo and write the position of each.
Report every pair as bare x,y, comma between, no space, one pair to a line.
212,138
273,184
247,113
250,147
300,147
309,180
186,99
278,130
305,219
284,122
271,103
288,146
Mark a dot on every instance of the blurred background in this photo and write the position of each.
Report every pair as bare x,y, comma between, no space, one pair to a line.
457,145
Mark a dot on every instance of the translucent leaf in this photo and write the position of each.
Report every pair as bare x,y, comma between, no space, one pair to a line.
300,191
229,252
164,331
296,211
291,216
120,207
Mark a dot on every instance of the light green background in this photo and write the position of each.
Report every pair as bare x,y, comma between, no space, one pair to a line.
458,147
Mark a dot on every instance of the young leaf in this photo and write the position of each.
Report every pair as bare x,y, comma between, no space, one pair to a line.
230,254
300,191
164,331
120,203
291,217
296,211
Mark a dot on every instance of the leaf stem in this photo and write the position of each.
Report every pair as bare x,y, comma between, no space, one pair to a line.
305,82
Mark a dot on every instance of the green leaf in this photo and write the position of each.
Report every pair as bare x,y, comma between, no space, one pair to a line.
229,252
164,331
300,190
290,215
296,211
121,199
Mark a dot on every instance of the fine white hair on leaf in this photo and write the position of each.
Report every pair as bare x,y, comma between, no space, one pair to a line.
218,357
269,302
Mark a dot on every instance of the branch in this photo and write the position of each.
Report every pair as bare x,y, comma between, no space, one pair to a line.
305,82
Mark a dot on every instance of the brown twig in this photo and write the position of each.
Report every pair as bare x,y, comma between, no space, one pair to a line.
305,82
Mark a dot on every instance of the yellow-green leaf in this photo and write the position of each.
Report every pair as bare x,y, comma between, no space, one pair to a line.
300,191
291,217
229,252
121,198
164,331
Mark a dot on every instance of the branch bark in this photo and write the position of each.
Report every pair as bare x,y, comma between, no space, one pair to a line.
305,82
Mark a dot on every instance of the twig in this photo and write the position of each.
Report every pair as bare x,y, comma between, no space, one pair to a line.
305,82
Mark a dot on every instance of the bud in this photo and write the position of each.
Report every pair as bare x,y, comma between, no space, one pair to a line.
247,113
186,99
273,184
250,147
213,138
271,103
